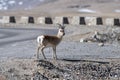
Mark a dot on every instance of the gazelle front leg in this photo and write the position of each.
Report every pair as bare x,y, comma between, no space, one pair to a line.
42,52
54,52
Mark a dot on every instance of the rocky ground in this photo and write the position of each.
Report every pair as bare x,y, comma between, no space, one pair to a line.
28,69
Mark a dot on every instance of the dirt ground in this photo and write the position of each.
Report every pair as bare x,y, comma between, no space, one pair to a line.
28,69
107,8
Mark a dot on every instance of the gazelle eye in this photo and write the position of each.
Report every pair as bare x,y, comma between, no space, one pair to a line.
61,30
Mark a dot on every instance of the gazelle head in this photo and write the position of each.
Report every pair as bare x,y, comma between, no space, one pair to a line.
61,31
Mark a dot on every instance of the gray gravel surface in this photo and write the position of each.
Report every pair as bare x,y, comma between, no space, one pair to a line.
21,43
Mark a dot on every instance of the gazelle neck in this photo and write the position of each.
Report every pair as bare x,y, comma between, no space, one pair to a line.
59,36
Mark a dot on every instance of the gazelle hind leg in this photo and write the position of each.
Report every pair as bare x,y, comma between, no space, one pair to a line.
38,52
42,52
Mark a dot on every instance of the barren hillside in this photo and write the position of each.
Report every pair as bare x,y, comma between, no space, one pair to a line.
67,8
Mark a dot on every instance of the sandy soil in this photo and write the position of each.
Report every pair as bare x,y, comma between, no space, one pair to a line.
108,8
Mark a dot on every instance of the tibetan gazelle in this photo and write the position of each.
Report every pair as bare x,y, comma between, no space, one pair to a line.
45,41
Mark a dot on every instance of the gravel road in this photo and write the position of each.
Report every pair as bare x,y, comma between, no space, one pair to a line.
21,43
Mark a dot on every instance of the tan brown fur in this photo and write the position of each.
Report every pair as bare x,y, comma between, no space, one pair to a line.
45,41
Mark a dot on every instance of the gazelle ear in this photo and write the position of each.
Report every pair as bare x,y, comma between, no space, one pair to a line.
59,25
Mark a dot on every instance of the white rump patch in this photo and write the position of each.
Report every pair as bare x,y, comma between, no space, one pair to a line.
40,39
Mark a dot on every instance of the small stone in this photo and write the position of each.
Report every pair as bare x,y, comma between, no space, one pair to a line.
101,44
83,40
55,79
